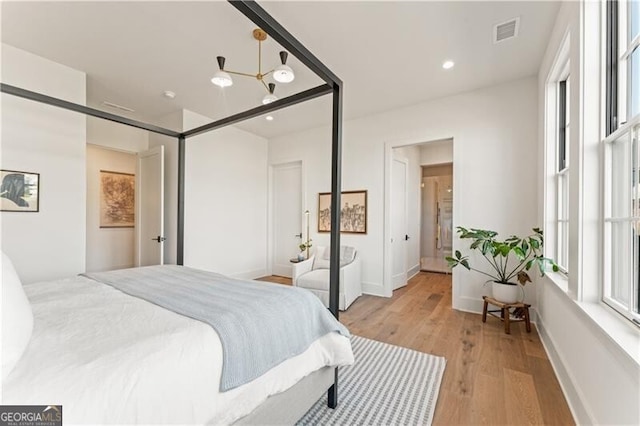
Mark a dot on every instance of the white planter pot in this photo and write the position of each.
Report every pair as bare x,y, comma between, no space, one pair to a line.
507,293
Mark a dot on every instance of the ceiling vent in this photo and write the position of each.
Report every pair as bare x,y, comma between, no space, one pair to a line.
116,106
506,30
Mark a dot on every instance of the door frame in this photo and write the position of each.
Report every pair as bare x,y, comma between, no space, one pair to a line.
270,208
387,257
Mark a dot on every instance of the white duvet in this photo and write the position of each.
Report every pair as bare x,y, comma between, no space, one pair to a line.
111,358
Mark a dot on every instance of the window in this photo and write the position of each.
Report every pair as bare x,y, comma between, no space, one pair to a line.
622,160
556,158
562,177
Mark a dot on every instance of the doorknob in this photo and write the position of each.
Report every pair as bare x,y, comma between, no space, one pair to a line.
158,239
406,237
298,235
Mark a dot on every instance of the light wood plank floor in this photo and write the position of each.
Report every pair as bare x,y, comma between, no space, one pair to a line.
490,378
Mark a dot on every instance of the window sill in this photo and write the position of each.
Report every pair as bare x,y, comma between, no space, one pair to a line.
560,280
602,320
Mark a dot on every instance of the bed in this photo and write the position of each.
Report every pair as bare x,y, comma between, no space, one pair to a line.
112,358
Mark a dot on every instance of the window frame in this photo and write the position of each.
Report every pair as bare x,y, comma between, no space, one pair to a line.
562,174
620,129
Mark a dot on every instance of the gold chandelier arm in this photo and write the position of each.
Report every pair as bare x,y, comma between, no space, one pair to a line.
259,57
265,85
268,72
241,73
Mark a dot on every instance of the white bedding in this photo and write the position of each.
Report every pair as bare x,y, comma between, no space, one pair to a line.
112,358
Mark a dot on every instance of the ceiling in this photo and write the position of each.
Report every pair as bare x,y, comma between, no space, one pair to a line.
388,54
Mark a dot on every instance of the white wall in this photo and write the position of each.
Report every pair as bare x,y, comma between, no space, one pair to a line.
594,352
38,138
116,136
226,201
493,130
107,248
414,178
436,152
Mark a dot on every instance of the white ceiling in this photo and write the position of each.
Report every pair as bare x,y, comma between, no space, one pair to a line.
388,54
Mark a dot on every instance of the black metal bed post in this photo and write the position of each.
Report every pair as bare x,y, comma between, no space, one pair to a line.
181,168
336,177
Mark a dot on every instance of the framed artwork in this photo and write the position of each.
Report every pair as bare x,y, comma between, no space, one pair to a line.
353,212
117,199
19,191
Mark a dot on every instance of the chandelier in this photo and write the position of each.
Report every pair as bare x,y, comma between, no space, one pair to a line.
282,73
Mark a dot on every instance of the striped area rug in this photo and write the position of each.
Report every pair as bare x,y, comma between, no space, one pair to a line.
387,385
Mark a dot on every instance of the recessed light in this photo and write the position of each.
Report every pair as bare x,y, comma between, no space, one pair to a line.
269,118
447,65
169,94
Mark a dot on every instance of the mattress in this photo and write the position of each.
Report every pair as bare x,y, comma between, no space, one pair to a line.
110,358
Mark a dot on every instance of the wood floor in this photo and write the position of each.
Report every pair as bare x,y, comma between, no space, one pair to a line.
490,378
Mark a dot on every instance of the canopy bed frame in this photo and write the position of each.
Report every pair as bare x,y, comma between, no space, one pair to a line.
333,85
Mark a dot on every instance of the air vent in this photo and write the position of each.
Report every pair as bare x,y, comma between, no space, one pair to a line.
506,30
116,106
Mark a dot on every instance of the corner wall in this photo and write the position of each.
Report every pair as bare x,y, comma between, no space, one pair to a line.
51,141
226,201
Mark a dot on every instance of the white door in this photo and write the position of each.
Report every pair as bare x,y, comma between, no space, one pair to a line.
150,207
399,223
287,216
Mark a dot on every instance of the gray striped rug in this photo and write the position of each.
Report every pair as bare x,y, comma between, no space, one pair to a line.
387,385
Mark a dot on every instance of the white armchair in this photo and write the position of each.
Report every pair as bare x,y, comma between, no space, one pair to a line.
313,275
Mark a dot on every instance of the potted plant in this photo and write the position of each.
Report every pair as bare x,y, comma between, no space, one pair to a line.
509,259
304,250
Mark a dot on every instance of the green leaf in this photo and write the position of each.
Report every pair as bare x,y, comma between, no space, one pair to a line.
528,264
465,263
534,243
519,253
458,254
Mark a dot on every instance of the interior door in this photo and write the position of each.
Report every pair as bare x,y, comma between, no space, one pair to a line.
150,238
399,235
287,216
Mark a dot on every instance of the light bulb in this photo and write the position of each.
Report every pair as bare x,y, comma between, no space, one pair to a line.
283,74
221,79
448,65
268,118
268,98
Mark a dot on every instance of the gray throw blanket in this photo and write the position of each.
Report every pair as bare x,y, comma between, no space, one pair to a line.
260,324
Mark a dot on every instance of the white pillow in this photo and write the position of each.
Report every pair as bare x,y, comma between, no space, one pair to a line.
17,317
347,255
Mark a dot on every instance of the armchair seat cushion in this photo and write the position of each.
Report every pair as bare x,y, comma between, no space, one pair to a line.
318,279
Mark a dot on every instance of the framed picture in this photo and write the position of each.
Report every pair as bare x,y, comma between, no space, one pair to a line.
353,212
117,199
19,191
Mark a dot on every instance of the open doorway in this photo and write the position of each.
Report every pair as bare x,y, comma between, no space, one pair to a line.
436,236
419,202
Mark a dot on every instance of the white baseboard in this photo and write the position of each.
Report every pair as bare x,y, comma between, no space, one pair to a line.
250,275
413,271
469,304
573,396
374,289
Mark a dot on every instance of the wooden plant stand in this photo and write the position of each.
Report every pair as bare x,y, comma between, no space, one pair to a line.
506,314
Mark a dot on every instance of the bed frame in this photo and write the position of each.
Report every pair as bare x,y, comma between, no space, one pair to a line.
307,389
